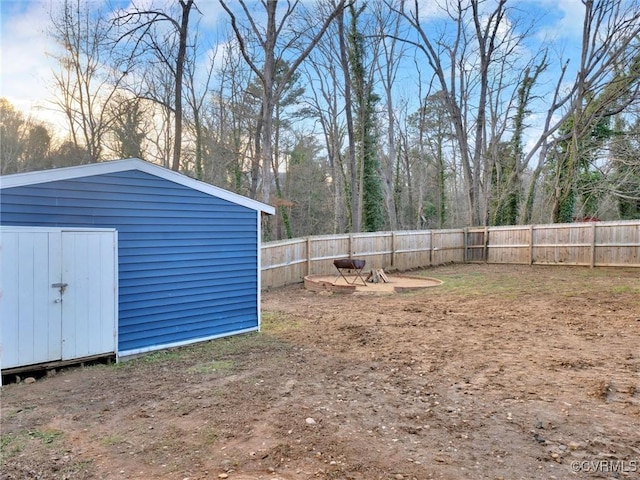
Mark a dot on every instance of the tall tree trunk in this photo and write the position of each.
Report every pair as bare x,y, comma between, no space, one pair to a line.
257,155
391,161
180,60
356,213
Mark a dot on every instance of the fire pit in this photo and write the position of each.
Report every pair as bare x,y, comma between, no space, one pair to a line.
350,264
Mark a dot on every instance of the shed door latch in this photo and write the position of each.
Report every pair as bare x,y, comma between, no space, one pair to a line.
61,286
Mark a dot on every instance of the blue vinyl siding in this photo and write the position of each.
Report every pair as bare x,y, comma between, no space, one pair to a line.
188,261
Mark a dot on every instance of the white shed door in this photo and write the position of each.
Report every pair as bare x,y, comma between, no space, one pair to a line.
88,302
58,295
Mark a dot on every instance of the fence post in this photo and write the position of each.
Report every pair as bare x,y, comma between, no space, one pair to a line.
465,232
530,244
308,255
431,242
593,244
393,248
486,244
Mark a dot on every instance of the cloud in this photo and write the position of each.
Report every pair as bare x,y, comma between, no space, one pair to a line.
26,69
430,9
212,14
563,19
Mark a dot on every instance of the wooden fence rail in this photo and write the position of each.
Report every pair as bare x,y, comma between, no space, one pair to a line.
593,244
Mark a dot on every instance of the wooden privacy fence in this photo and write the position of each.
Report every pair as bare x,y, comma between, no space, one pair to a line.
593,244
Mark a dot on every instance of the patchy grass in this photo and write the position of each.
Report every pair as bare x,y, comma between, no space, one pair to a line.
47,436
277,322
162,356
480,283
11,444
210,436
213,367
618,289
206,357
520,280
111,440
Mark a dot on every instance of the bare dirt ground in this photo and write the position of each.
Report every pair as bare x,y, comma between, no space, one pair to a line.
502,372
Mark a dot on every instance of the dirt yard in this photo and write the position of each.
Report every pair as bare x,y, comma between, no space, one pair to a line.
500,373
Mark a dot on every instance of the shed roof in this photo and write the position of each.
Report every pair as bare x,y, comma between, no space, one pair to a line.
66,173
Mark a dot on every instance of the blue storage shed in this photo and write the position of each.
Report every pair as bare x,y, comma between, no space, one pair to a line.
187,253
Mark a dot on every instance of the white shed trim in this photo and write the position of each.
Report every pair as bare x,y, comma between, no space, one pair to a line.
67,173
129,354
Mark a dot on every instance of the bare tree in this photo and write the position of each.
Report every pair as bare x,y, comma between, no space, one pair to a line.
478,39
25,144
154,88
12,138
232,125
471,57
87,79
326,98
609,40
144,35
276,46
197,93
623,166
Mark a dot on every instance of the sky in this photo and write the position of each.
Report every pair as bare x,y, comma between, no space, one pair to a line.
26,64
25,68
